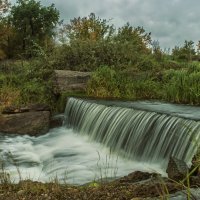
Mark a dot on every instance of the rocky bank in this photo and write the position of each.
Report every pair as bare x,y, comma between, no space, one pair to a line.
32,120
36,119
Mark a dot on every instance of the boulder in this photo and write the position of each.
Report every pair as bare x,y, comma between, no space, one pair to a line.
177,169
195,167
68,81
194,193
31,123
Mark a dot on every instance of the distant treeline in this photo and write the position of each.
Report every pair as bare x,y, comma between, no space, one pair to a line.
28,27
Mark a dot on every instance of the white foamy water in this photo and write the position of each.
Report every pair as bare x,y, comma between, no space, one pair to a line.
145,136
61,154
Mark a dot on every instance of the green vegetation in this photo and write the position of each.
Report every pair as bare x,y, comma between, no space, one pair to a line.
183,86
23,83
27,26
125,62
180,86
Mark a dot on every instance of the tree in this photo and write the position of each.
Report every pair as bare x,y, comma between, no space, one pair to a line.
4,5
5,30
157,52
198,47
128,33
33,23
189,50
186,52
137,37
6,34
91,42
88,28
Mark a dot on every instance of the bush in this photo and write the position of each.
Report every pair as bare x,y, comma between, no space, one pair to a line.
87,55
103,83
147,89
182,86
106,82
33,80
9,96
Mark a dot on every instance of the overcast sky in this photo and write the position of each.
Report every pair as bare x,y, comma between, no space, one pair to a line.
171,22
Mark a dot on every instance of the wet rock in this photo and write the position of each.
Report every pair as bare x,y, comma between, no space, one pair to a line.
184,195
67,81
56,121
31,123
176,169
195,167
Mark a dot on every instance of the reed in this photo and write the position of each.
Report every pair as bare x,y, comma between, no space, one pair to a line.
182,86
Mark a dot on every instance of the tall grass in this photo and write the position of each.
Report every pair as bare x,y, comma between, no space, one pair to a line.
182,86
107,169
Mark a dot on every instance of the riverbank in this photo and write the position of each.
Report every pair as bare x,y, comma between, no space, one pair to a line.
37,81
135,186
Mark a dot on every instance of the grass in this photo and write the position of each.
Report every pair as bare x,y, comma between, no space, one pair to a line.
107,169
182,86
25,82
114,190
172,85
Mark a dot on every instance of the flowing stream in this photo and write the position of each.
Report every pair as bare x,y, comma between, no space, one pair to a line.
104,140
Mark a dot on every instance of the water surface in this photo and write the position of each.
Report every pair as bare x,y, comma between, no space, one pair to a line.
61,154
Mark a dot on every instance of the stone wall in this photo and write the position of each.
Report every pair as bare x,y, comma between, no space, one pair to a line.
69,81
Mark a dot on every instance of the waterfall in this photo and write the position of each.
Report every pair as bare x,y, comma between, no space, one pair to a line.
136,134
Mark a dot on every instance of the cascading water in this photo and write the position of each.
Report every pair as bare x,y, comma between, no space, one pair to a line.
104,139
135,134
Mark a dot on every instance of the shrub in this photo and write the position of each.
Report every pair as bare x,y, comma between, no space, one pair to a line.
147,89
9,96
182,86
103,83
33,80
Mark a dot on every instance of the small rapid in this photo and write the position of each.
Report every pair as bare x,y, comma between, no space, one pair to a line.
104,140
64,156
